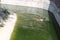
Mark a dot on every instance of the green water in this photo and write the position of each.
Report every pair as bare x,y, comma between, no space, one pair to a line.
27,28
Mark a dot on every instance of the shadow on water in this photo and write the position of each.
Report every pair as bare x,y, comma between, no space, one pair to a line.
55,24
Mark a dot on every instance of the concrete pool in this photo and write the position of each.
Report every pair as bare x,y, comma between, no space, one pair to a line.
31,26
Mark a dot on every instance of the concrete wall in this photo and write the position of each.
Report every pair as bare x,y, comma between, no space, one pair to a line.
30,3
57,2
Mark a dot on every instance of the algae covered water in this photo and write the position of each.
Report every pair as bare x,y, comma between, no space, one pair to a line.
34,27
